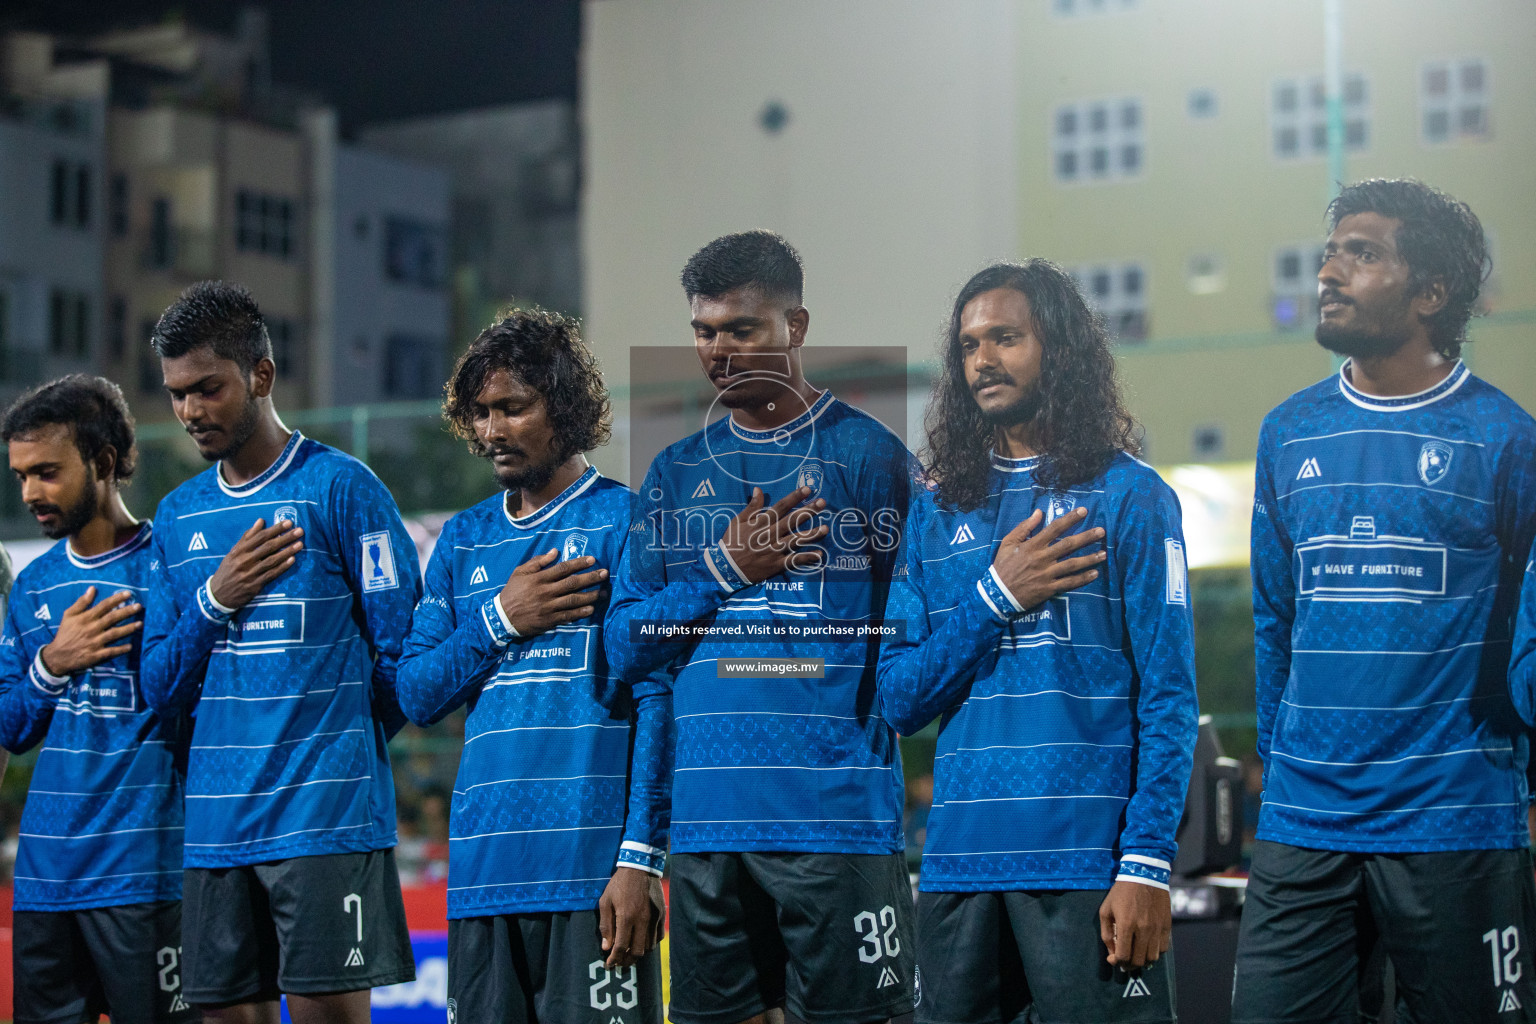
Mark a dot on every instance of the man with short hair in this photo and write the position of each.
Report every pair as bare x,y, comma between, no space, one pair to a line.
1062,672
283,640
98,869
559,818
789,886
1393,509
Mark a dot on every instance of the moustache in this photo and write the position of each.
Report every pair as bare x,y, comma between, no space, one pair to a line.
988,380
1328,295
45,510
492,453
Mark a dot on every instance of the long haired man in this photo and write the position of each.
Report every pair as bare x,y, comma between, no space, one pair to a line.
1047,626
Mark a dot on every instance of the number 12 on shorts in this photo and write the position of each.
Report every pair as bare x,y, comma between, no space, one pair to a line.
1504,947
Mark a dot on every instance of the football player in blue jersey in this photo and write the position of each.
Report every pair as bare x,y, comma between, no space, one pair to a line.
283,640
98,871
1393,508
789,886
1060,665
559,817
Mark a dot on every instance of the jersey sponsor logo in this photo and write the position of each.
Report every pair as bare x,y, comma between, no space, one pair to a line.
1362,528
705,489
1051,622
1434,462
811,476
575,546
43,613
267,622
887,978
963,535
1335,566
1309,470
102,689
1135,987
289,513
479,576
378,562
198,542
1177,589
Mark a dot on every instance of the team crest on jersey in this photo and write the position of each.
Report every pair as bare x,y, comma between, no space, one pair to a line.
453,1010
811,476
286,512
198,542
575,547
705,489
1434,462
1059,505
917,986
43,613
378,562
479,576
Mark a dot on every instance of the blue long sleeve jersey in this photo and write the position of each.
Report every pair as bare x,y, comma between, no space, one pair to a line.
1522,664
1068,729
1388,540
102,824
294,694
548,798
789,763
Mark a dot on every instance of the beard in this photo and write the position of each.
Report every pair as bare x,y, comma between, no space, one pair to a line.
532,477
242,431
1021,410
72,519
1371,334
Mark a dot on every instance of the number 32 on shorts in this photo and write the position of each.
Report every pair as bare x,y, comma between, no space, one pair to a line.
880,943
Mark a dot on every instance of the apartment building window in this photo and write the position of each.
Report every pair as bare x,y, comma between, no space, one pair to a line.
414,252
1075,8
69,194
412,363
117,327
285,345
264,224
1098,140
160,254
117,212
1298,116
1118,291
1453,96
69,323
1293,300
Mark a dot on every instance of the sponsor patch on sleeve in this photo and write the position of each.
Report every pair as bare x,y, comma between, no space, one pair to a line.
1178,572
378,563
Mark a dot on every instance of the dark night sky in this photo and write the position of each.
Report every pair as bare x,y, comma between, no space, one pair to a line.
375,60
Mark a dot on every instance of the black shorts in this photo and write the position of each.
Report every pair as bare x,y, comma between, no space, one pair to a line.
545,969
307,925
1457,927
828,936
75,965
1000,957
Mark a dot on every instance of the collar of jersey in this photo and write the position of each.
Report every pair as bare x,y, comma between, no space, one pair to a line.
266,476
1397,403
128,546
543,515
764,436
1008,465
